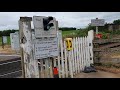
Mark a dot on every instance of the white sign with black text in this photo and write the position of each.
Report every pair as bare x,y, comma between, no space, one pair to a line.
97,22
46,47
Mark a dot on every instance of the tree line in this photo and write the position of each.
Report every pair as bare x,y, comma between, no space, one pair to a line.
89,27
7,32
67,28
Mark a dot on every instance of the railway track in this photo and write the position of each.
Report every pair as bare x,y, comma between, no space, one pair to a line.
11,68
102,41
103,48
108,48
106,44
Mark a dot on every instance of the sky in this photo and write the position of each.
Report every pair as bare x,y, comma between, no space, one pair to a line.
9,20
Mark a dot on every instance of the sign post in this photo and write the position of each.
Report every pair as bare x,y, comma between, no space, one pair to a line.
45,41
97,22
38,45
96,29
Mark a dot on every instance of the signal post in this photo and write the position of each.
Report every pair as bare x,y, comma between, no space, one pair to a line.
41,44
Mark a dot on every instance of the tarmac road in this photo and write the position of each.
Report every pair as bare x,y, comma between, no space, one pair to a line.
98,74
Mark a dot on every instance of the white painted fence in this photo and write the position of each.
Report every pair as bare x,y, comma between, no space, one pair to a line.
73,62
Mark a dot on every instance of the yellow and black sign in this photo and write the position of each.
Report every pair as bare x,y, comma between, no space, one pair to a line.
68,43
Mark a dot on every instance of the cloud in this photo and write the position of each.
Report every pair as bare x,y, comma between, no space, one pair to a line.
9,20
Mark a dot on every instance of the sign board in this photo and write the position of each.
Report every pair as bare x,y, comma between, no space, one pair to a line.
4,39
11,40
46,47
39,30
16,42
97,22
14,38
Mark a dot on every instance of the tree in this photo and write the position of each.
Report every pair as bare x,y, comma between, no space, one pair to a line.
7,32
67,28
116,21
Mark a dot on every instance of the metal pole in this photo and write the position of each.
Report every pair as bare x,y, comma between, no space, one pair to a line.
96,29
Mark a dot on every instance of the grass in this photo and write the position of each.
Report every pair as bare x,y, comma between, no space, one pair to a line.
71,32
74,33
8,40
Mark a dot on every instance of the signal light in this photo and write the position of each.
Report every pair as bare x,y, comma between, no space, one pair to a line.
46,23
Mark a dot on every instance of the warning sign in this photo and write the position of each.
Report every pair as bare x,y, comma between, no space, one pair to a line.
46,47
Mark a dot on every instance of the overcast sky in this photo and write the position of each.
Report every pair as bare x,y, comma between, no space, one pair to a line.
9,20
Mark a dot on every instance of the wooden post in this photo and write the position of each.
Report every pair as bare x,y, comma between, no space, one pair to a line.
90,41
70,64
29,65
51,68
42,69
66,65
77,54
21,49
62,60
59,48
74,48
73,61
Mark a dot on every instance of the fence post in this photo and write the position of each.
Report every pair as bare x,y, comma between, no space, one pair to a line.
62,59
28,61
91,37
21,49
75,63
77,44
66,60
70,64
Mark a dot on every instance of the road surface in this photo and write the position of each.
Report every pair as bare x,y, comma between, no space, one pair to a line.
99,74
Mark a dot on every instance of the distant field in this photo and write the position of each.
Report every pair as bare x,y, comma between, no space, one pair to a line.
71,32
74,33
8,42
